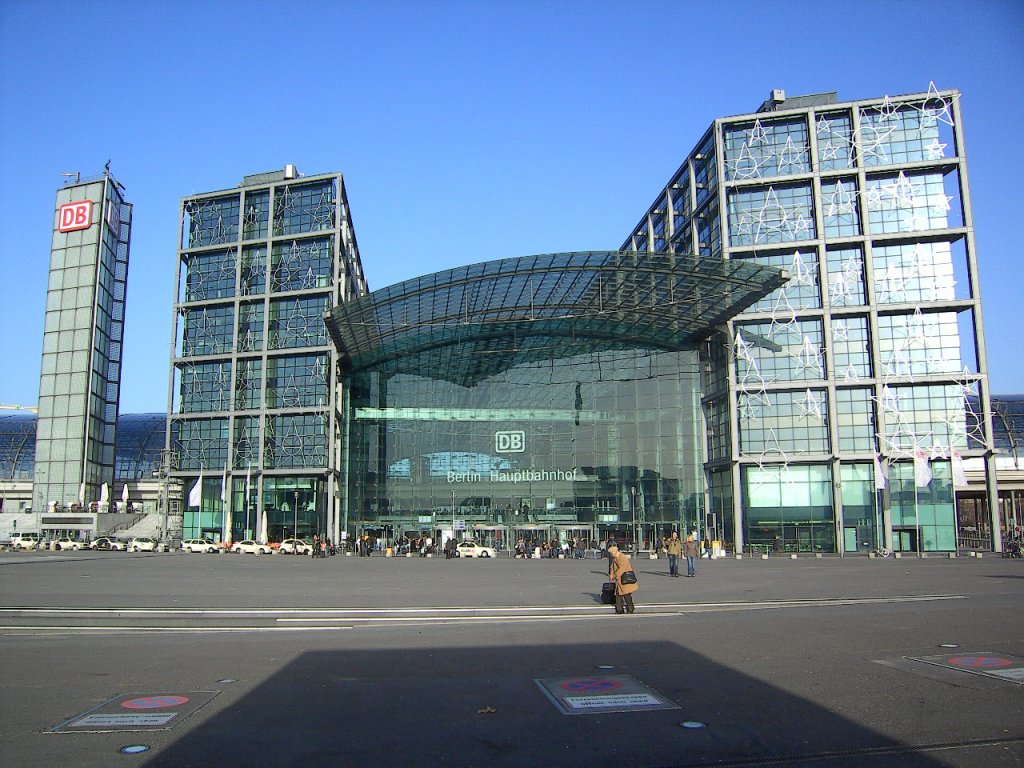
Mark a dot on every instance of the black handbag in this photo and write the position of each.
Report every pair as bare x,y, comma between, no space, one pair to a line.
629,577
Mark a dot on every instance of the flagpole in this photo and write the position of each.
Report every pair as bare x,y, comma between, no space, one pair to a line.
917,523
248,491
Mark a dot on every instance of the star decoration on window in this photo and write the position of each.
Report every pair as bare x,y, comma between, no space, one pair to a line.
792,159
850,375
842,201
935,150
810,358
811,405
745,165
756,135
935,108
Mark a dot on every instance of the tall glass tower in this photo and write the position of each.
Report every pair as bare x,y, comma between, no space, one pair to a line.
254,425
80,380
839,408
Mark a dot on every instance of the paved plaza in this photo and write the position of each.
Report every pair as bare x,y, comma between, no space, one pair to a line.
250,661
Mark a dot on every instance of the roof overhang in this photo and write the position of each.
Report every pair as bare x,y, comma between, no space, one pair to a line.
481,319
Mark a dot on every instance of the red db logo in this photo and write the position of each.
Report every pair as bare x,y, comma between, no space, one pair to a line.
72,216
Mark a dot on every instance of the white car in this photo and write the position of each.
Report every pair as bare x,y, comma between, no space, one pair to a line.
24,540
67,543
108,542
472,549
294,547
250,547
143,544
199,545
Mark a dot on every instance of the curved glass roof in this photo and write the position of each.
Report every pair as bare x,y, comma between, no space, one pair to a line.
478,320
17,446
1008,422
140,438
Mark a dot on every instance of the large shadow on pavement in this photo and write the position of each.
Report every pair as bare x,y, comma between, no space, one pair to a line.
414,708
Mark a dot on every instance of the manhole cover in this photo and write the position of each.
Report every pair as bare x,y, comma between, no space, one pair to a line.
1001,666
598,695
137,712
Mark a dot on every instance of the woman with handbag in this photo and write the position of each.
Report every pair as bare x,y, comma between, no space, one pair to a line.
620,571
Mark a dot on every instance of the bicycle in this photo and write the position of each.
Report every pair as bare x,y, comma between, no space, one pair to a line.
881,552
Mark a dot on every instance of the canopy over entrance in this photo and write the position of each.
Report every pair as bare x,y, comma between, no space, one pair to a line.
469,323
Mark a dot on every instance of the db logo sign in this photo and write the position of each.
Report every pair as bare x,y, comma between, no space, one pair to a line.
74,216
509,442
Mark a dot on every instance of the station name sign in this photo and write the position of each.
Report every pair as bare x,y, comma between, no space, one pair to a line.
74,216
515,476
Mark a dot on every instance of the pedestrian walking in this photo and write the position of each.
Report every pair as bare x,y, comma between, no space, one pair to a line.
674,547
620,571
691,549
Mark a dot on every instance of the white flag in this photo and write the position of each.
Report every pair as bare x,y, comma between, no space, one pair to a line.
224,484
881,474
922,472
104,493
195,496
124,493
957,462
81,493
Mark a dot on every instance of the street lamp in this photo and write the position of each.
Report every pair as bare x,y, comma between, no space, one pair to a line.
632,496
295,517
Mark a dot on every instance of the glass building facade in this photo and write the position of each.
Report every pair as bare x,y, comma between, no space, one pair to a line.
253,425
543,398
80,379
822,399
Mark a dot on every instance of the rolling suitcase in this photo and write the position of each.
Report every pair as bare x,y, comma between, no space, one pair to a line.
608,593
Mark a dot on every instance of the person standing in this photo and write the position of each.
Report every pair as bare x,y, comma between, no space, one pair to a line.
674,547
620,570
692,551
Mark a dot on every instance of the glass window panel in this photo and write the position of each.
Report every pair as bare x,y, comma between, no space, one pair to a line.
776,214
851,348
840,209
777,424
210,221
766,148
846,276
778,351
801,292
298,322
913,273
855,415
919,344
834,137
912,201
305,207
302,264
906,134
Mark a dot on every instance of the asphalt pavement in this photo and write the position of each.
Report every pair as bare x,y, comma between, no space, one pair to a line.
226,660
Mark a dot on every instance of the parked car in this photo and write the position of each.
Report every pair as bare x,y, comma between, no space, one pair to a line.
472,549
199,545
67,543
294,547
250,547
143,544
110,543
24,540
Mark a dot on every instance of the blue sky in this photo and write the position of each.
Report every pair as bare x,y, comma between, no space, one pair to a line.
467,131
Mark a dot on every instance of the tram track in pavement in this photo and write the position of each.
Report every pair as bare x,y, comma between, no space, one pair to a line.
49,620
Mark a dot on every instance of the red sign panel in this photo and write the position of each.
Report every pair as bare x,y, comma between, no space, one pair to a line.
72,216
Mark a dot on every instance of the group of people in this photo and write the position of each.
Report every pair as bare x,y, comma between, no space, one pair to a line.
690,549
574,548
322,547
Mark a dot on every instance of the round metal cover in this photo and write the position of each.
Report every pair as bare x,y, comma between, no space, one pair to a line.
134,749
